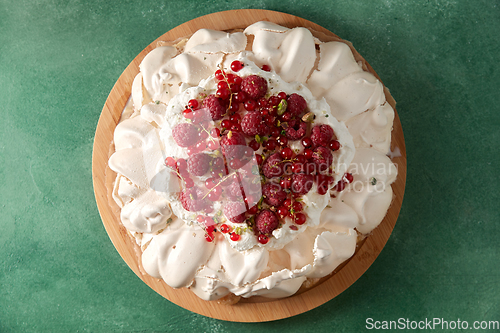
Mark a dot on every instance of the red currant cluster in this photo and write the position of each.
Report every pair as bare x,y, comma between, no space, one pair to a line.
259,178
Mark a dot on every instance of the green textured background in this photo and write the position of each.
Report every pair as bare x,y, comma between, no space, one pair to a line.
59,272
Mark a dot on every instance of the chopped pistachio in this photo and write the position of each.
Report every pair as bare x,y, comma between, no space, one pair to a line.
308,117
282,107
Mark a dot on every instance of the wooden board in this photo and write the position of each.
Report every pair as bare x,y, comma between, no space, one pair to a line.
255,309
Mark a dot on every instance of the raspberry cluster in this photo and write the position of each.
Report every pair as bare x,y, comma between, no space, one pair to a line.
238,141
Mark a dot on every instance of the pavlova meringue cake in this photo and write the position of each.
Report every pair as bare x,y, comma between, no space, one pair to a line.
252,162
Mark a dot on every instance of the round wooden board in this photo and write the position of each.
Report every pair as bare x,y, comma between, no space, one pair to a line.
257,309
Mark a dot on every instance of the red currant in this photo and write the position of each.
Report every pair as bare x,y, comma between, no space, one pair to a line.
213,195
220,75
235,118
340,185
270,144
259,159
209,236
253,210
349,177
181,164
286,182
193,104
235,107
250,105
297,206
301,158
223,93
308,153
266,68
282,211
215,132
299,218
286,153
307,142
297,167
240,97
236,66
275,132
235,237
213,145
226,123
282,95
188,113
287,116
334,145
224,228
234,79
254,145
188,182
274,101
282,140
263,239
170,161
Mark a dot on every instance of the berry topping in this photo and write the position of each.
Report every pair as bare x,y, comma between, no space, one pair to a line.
234,189
235,211
273,194
191,200
272,166
266,221
252,124
302,183
199,164
296,104
296,129
321,135
185,134
233,144
215,106
254,86
322,157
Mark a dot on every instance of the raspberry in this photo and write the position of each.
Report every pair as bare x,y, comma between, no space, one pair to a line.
233,144
272,166
185,134
252,124
198,164
321,135
234,190
296,104
322,157
216,107
266,221
296,129
191,200
235,211
254,86
302,183
273,194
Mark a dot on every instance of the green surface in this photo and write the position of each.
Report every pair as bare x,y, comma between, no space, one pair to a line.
59,272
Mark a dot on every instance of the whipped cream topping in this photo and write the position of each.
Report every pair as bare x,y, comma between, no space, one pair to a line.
340,94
